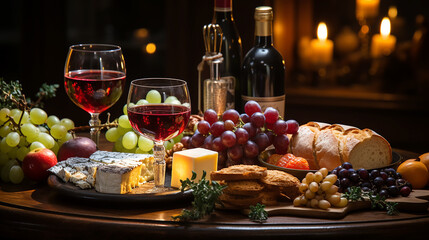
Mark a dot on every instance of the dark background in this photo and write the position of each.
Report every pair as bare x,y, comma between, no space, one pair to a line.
35,36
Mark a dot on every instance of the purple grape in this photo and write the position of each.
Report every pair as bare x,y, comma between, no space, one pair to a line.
405,191
217,128
251,107
242,135
383,193
384,175
344,182
251,150
390,181
257,120
186,141
208,142
229,125
374,173
210,116
366,184
391,172
235,152
363,173
354,177
250,129
231,114
217,145
271,136
245,118
281,143
280,127
262,140
271,115
292,126
378,181
228,139
203,127
347,165
393,191
197,139
343,173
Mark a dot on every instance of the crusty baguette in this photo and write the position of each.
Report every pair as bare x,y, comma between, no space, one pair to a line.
239,172
334,144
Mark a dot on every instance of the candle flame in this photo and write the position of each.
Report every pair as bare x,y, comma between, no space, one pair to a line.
385,27
322,31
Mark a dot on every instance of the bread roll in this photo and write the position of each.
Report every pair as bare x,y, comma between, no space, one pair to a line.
328,146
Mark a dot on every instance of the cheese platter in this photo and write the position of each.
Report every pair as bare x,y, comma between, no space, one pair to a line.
136,195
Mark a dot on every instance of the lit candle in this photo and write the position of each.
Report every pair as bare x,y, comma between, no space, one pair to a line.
383,43
366,8
322,47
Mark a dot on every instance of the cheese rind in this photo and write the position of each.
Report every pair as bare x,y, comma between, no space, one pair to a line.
192,160
119,177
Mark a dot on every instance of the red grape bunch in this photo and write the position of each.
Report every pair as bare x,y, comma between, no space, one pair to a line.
240,138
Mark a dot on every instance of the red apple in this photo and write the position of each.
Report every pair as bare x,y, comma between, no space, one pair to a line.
76,147
37,162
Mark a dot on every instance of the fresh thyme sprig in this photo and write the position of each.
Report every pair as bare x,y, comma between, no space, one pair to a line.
377,201
257,213
206,195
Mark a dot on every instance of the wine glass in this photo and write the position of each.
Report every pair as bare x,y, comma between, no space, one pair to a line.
159,109
94,79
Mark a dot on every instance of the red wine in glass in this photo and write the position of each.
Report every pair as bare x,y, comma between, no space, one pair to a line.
159,122
94,90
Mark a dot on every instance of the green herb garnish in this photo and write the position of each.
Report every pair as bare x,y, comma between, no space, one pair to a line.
258,213
206,195
377,201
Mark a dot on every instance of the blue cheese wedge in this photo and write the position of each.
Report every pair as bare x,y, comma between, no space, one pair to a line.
106,157
119,177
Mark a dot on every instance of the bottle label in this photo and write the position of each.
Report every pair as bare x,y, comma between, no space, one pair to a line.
277,102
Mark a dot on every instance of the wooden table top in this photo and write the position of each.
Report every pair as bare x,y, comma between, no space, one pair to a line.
36,211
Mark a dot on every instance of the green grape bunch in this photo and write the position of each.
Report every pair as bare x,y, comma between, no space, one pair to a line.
25,127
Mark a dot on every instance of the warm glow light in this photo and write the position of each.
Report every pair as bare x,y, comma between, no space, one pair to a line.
141,33
150,48
385,27
393,12
322,31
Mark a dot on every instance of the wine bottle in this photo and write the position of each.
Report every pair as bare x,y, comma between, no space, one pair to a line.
231,45
263,69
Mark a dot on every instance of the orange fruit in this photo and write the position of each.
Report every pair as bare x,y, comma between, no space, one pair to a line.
424,158
415,172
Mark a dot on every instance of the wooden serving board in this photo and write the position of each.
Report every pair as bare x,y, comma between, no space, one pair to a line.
417,201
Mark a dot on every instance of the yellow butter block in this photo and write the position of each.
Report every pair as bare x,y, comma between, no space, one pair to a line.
197,160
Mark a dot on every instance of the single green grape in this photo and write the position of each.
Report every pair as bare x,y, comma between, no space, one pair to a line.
142,102
4,112
172,100
125,108
139,151
29,130
52,120
124,122
38,116
169,144
55,148
12,139
145,144
58,131
22,141
6,169
5,130
177,138
112,134
118,145
25,118
15,114
33,138
153,96
35,145
12,154
187,105
67,137
16,175
68,123
122,130
4,147
129,140
47,140
21,153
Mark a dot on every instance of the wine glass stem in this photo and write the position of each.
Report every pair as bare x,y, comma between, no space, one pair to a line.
95,121
159,164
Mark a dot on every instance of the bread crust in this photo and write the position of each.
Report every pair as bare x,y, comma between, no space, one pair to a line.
244,187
